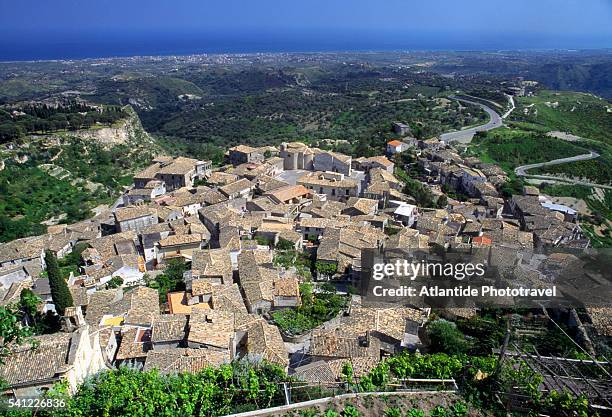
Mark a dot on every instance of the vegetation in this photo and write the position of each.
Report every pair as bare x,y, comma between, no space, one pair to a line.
11,330
170,280
315,309
565,190
445,337
62,298
566,112
290,258
64,178
17,122
514,147
416,189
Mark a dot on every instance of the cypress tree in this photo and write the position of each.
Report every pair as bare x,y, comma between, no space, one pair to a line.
60,293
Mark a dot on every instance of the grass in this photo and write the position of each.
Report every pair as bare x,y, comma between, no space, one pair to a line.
511,148
563,190
581,114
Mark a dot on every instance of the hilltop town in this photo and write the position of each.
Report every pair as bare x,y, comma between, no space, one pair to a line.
196,266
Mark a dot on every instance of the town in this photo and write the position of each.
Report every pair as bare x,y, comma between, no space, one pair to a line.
244,242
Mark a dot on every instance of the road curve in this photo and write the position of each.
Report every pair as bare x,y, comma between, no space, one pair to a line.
466,135
522,170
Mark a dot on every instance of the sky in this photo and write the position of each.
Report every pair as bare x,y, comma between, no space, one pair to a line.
388,24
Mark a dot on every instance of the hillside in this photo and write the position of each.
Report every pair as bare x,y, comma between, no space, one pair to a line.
581,114
61,177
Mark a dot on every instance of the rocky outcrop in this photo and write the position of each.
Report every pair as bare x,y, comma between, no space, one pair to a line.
127,131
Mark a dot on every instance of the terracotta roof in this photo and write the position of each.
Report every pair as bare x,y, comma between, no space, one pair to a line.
394,142
288,192
236,187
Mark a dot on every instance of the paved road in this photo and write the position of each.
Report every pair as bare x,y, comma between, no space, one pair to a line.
522,170
466,135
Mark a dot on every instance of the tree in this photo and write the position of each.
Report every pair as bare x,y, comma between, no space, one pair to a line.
284,244
442,201
11,330
326,268
62,298
114,282
28,304
445,337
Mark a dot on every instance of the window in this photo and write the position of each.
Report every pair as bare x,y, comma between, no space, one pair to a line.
333,191
347,192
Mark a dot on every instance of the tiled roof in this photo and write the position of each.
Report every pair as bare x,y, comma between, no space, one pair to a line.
144,306
135,343
288,192
265,341
236,187
135,212
168,328
180,360
212,263
337,344
176,240
41,363
212,328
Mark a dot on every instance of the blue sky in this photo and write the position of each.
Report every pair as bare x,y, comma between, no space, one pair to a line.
509,23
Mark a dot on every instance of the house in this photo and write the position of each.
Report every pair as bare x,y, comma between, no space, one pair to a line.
143,307
11,274
212,265
257,276
332,162
134,345
181,360
342,246
286,292
239,189
175,246
211,329
366,164
401,129
290,194
396,146
135,218
243,154
60,357
405,213
356,206
313,227
151,190
264,342
22,251
334,185
174,172
168,331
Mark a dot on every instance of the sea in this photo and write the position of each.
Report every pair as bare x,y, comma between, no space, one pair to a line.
32,46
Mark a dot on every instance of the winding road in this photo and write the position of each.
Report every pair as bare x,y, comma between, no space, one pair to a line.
522,170
466,135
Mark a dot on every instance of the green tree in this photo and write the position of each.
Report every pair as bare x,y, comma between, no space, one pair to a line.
284,244
442,201
28,304
445,337
11,330
60,293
